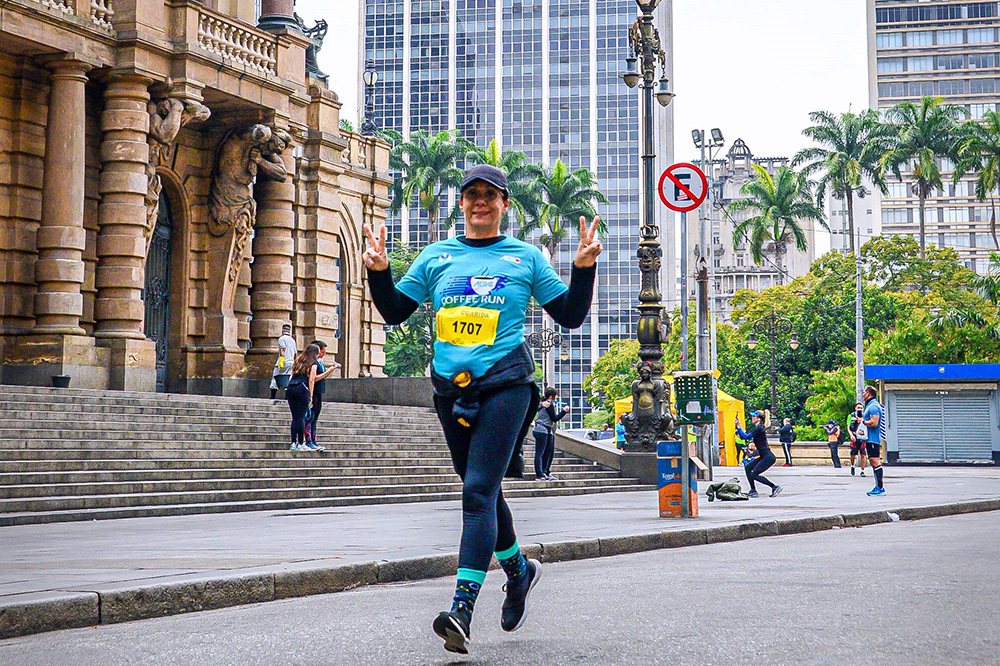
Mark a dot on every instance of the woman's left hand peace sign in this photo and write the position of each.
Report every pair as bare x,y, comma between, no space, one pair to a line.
590,245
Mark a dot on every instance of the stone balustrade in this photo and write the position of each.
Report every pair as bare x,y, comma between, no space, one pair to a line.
64,6
246,46
101,13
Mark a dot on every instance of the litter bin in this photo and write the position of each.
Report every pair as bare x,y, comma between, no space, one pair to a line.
668,468
694,397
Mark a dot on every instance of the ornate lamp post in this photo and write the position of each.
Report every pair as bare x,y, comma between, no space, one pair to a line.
370,77
650,419
545,340
773,327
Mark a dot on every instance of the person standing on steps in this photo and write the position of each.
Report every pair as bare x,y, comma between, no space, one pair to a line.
480,285
286,357
756,469
299,395
786,435
548,415
322,372
873,418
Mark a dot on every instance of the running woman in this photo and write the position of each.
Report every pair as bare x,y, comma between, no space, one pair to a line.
874,419
766,457
480,285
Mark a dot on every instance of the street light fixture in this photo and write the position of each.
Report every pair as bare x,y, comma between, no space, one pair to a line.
545,339
650,420
370,78
773,327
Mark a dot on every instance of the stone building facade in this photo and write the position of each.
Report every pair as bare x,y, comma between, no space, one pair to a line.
174,186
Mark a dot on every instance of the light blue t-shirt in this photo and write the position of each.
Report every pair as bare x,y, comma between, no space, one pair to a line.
874,432
480,295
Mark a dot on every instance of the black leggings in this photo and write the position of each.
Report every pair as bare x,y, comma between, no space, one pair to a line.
544,445
480,455
317,408
298,401
755,470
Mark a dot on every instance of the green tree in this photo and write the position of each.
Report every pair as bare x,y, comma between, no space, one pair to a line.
833,395
409,346
923,133
564,196
612,376
775,207
979,151
851,147
988,285
522,180
427,167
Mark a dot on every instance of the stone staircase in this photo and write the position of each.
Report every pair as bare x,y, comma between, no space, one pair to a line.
83,455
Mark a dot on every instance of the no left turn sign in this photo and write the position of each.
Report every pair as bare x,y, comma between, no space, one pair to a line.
683,187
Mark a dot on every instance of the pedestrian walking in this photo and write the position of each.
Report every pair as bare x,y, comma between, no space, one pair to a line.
834,438
873,420
765,458
286,357
858,447
480,285
786,435
319,387
549,413
299,395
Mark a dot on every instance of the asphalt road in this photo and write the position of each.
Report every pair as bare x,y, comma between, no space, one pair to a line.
922,592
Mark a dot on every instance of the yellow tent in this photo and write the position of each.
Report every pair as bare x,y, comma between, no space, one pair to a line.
729,407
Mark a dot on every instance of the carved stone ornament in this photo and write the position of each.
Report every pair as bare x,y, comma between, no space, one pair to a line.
242,153
650,404
166,118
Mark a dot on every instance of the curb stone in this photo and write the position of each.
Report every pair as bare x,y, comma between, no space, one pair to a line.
42,612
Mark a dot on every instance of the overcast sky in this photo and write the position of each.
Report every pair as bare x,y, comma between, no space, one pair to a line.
754,69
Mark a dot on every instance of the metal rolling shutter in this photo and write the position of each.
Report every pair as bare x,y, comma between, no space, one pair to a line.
967,426
920,424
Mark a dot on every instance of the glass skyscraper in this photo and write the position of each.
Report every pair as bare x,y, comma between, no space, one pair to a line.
539,76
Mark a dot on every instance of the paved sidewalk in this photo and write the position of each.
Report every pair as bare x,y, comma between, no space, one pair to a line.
143,567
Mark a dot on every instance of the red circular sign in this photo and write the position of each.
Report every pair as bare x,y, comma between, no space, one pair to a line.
686,189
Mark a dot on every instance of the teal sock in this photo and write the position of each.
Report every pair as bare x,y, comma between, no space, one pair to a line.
467,589
513,562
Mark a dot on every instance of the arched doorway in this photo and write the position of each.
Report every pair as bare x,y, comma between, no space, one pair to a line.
156,294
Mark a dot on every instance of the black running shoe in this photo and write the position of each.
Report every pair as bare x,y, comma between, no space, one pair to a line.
453,627
515,606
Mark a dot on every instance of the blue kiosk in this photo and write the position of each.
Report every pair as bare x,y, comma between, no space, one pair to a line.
940,413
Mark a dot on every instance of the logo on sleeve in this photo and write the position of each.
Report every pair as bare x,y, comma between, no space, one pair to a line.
513,260
444,258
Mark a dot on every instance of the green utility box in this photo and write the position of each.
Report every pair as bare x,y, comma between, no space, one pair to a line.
694,397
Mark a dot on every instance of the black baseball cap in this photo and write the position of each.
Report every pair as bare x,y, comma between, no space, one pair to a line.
487,173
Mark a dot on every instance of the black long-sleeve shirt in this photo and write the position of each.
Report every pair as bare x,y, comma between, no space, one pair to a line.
759,437
568,310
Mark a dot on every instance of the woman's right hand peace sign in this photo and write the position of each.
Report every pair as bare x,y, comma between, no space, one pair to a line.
375,257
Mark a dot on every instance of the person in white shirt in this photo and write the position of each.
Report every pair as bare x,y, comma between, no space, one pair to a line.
286,358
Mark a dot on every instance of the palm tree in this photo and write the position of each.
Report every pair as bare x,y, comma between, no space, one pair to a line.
427,167
924,132
565,196
853,145
777,205
522,179
979,151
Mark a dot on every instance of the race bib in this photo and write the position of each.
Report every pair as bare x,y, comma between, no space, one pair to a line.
467,327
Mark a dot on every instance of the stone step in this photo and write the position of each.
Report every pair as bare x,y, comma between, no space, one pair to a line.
65,502
50,413
28,492
538,489
186,473
23,439
279,452
188,444
39,418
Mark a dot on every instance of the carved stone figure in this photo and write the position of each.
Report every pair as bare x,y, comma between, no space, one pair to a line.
242,153
166,118
316,33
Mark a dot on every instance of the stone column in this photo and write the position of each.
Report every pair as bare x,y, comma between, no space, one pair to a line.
277,15
61,237
272,272
121,241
